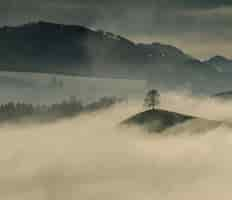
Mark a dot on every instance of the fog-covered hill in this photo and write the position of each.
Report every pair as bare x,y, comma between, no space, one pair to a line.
220,63
70,49
163,121
227,96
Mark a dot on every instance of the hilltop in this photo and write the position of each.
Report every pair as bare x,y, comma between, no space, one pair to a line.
223,96
220,63
161,120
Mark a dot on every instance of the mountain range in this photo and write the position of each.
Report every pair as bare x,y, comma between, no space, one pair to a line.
76,50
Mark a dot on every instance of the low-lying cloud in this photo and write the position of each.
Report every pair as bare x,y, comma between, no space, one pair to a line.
90,157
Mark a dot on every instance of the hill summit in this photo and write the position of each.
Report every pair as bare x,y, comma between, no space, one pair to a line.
157,120
160,121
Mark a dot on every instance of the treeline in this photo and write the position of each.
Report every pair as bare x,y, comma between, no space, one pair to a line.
16,111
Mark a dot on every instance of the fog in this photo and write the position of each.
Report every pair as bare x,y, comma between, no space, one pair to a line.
200,106
91,157
38,88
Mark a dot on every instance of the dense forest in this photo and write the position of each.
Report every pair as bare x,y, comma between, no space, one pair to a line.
15,112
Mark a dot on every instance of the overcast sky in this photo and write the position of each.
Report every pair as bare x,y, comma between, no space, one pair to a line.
202,28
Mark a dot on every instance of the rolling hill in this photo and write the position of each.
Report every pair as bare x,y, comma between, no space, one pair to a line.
162,121
220,63
225,96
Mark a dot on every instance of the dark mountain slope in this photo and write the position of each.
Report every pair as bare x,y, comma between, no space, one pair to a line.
56,48
47,47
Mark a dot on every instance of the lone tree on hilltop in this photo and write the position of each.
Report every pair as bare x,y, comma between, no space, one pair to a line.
152,99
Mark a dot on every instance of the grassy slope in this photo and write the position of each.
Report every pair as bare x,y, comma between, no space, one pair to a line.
160,120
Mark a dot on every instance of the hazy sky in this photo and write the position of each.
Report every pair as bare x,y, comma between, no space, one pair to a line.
201,27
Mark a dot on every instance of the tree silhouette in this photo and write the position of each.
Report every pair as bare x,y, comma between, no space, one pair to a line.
152,99
12,111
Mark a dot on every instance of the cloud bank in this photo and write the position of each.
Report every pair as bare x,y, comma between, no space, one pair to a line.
91,158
